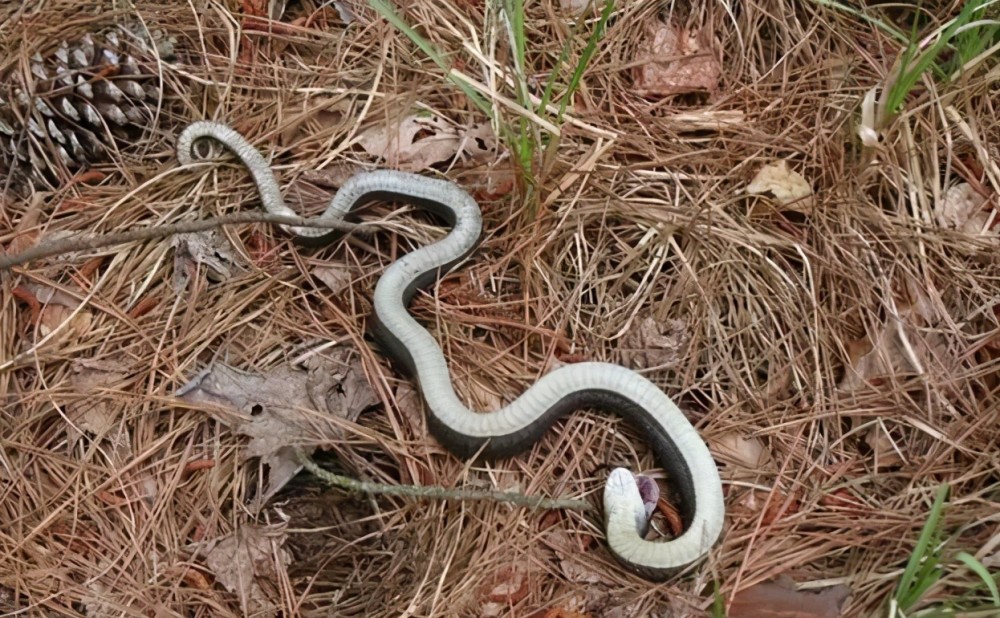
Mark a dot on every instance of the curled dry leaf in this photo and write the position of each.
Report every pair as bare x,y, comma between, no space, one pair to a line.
337,277
55,310
779,599
789,187
588,572
72,324
26,231
88,409
508,585
408,401
251,563
965,209
745,456
767,506
209,249
843,501
885,453
283,409
419,142
903,346
306,125
575,7
677,61
655,344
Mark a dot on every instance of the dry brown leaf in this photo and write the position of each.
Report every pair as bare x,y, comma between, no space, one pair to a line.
251,563
71,323
744,456
283,409
26,230
210,249
779,600
655,344
885,452
508,585
304,123
337,277
963,208
86,411
788,186
575,7
677,61
419,142
60,311
408,402
903,346
585,572
765,506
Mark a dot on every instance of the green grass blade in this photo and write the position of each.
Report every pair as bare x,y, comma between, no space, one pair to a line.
980,569
588,53
927,59
389,14
919,573
897,34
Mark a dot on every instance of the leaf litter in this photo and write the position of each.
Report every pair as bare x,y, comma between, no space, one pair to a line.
680,125
283,409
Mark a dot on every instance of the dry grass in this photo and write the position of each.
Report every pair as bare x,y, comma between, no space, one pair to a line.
652,223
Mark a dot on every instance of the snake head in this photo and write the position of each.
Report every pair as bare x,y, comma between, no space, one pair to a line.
630,495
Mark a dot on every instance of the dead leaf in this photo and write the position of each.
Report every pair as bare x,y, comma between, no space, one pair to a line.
843,501
210,249
585,572
419,142
766,506
789,187
306,125
904,346
886,453
575,6
58,310
26,232
677,61
251,563
337,277
655,344
283,409
779,600
407,400
744,456
509,585
963,208
90,410
72,324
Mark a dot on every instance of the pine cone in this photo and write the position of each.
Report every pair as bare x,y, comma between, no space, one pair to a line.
75,107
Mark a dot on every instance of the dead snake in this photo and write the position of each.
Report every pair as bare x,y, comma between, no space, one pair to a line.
515,427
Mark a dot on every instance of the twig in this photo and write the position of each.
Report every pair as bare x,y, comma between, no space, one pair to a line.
438,493
86,240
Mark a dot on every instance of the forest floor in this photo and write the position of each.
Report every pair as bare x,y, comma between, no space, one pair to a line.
782,213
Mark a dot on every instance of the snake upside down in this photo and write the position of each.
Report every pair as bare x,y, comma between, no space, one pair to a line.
515,427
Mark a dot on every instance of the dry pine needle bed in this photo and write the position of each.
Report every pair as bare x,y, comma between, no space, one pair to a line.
717,199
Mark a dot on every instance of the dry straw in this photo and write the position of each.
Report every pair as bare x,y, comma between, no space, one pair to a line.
636,215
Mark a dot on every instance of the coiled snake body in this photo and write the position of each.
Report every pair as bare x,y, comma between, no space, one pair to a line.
515,427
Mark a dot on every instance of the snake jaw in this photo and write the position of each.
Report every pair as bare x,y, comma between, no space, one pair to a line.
650,493
624,492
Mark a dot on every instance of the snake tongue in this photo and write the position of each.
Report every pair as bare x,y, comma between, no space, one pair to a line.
649,491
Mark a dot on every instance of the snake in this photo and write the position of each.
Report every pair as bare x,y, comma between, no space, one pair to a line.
512,429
